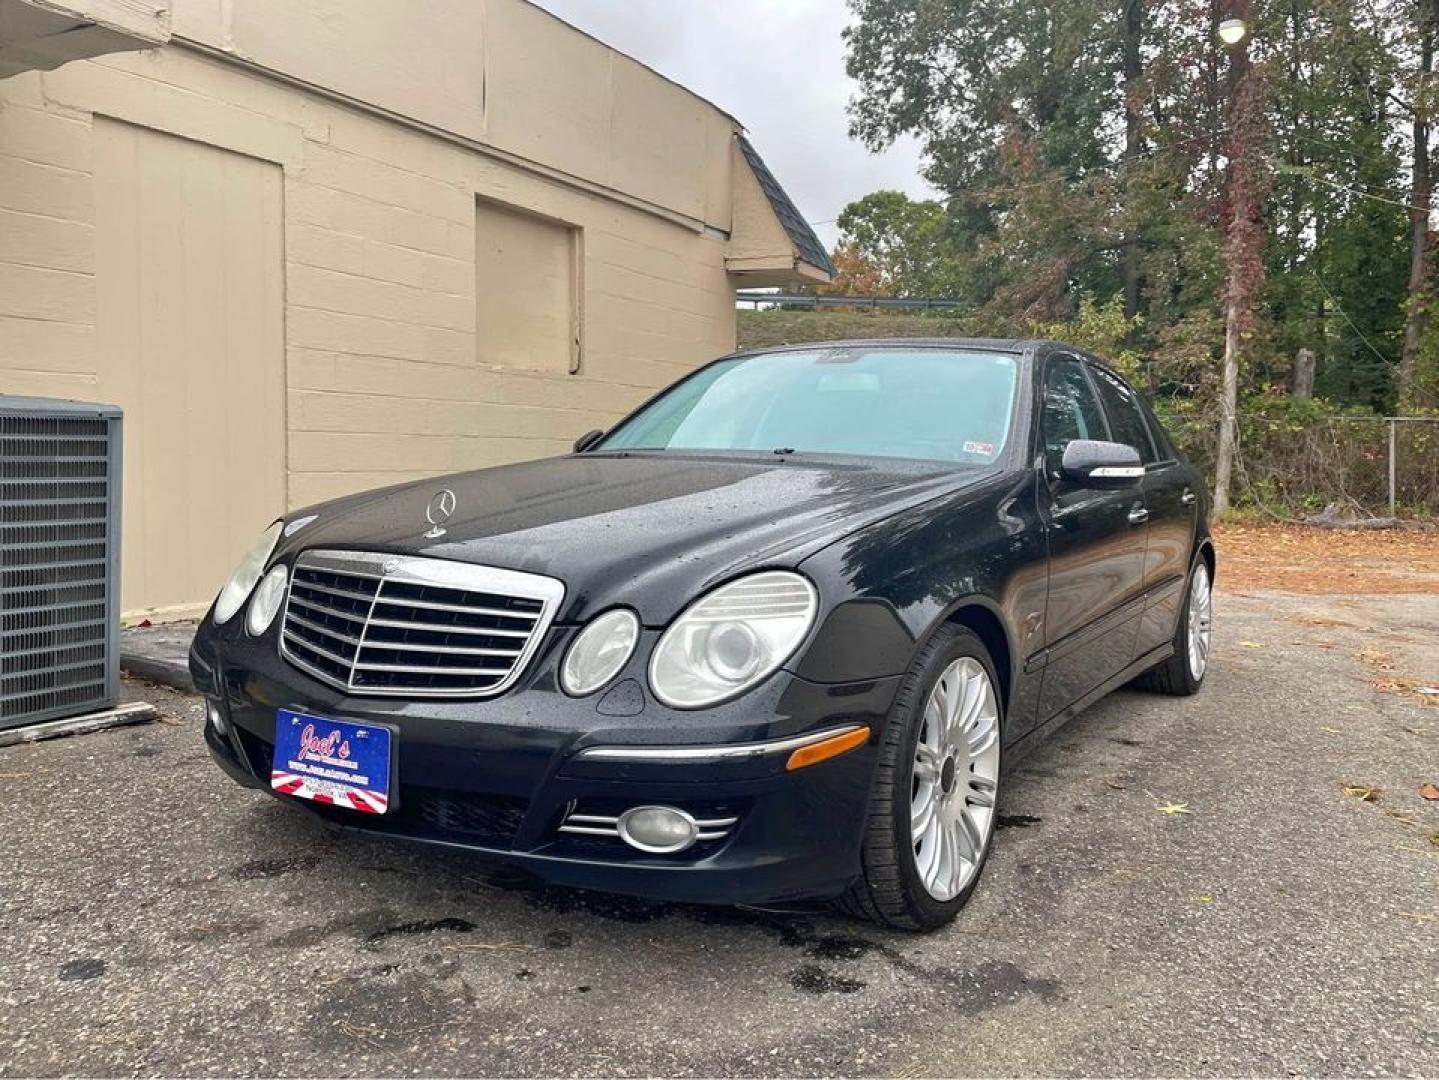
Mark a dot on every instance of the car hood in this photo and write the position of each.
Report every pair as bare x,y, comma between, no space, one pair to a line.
650,531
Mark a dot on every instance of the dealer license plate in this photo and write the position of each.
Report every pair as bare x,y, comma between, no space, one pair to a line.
332,761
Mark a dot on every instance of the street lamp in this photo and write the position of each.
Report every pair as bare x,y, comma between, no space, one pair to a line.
1232,31
1241,244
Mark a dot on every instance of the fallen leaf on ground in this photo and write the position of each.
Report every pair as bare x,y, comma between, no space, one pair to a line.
1332,730
1173,808
1427,691
1428,791
1402,815
1377,658
1422,916
1251,644
1362,792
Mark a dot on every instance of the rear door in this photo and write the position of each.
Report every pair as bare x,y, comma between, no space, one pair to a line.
1096,549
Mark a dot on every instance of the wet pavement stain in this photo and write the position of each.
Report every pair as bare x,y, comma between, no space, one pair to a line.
559,939
91,967
262,869
813,979
420,926
1015,821
840,947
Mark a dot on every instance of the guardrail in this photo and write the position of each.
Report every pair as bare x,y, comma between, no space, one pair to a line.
873,303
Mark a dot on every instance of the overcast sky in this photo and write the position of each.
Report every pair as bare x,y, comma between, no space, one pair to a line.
779,68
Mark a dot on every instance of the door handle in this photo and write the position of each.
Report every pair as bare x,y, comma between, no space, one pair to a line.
1187,499
1138,516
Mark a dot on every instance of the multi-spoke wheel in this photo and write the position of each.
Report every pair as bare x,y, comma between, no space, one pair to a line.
931,815
1197,623
955,777
1183,673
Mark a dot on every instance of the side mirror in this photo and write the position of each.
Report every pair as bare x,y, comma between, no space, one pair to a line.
587,440
1098,464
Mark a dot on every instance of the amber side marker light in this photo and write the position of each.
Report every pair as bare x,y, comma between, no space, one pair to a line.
814,753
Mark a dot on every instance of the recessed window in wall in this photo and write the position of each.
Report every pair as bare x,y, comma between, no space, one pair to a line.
527,290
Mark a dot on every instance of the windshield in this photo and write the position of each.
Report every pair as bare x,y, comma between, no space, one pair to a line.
917,403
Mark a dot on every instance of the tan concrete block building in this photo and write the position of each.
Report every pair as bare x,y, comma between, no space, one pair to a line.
314,246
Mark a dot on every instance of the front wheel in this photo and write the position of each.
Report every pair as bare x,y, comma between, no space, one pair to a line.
1183,673
931,814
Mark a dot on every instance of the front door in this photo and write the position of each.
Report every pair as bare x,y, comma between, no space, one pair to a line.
1096,549
1169,497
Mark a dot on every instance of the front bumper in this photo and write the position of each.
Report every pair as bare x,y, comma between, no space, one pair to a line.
500,776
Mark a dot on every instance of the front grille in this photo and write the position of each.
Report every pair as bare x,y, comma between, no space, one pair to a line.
410,627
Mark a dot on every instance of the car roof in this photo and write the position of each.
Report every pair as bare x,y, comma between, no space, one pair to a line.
1016,346
1008,345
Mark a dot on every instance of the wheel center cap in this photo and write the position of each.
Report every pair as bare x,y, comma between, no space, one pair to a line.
946,775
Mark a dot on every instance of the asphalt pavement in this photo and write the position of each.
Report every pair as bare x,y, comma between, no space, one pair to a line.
1179,887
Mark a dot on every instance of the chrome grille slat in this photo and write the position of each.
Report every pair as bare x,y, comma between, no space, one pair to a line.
380,644
422,669
440,628
364,622
428,605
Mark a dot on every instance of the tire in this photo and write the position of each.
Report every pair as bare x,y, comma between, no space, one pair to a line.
1177,675
893,889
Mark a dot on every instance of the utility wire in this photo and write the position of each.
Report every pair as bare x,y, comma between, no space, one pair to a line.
1339,308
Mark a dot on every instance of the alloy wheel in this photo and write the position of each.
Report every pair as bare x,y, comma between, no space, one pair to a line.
955,779
1199,618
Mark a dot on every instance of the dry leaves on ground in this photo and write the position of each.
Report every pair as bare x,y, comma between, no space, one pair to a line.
1299,559
1428,791
1362,792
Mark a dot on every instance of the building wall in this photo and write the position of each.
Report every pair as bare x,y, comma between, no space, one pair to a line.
387,372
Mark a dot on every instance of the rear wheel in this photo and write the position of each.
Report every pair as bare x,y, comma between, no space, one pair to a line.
1183,673
931,815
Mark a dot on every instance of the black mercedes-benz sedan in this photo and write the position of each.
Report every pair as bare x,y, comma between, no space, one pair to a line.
773,637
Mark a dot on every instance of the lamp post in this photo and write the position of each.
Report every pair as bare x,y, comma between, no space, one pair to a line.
1241,239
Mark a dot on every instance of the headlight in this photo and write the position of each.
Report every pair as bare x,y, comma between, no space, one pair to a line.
731,639
266,601
599,651
233,595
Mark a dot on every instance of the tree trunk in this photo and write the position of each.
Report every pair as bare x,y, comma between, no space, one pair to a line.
1420,190
1133,142
1301,383
1228,404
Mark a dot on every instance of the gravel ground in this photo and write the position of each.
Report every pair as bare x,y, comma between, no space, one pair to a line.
156,919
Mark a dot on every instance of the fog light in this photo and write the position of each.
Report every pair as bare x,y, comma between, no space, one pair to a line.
660,830
216,717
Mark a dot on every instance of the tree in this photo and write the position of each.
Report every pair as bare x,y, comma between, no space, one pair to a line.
1422,32
1093,149
903,243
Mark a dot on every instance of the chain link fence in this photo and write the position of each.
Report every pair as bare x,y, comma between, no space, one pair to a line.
1370,466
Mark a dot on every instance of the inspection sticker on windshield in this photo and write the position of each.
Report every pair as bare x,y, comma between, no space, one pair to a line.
332,761
979,448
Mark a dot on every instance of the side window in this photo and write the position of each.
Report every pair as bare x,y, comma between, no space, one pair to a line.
1125,418
1070,410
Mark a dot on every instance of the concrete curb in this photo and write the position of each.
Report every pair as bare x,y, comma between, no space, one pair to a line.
163,671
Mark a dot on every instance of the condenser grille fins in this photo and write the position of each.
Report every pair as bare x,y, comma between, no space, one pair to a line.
58,565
